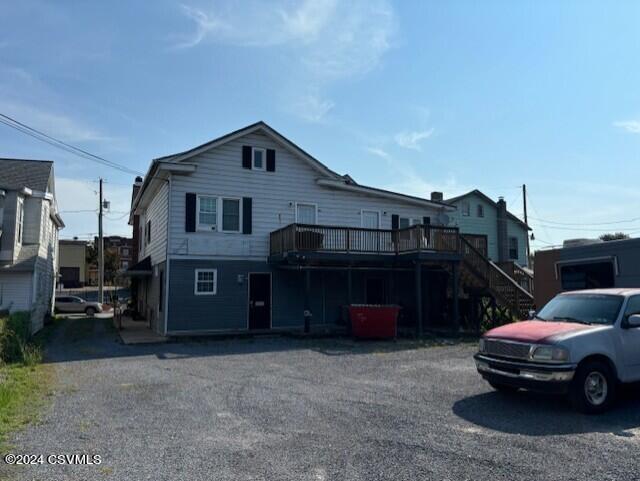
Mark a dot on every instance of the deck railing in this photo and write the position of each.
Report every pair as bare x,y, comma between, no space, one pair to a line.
359,240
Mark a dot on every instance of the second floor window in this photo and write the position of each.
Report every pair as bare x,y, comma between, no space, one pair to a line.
513,248
466,209
259,159
480,210
148,232
207,212
20,218
230,215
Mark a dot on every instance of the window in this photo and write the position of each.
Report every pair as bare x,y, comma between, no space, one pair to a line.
207,213
466,209
306,213
230,215
633,307
480,210
408,222
370,219
124,264
148,232
161,292
125,251
259,159
206,282
20,218
587,275
513,248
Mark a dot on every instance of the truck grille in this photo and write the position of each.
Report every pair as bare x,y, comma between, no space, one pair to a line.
517,350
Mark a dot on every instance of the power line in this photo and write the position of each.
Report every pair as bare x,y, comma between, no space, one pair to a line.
586,223
37,134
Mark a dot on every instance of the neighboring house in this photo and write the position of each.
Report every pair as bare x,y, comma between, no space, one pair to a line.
122,247
249,231
586,264
29,223
73,262
505,235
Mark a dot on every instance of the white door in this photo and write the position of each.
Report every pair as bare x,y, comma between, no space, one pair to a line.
305,213
370,219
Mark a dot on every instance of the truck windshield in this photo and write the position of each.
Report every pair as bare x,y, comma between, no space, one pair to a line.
585,308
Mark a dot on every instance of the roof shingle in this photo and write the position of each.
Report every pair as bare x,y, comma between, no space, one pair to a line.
18,173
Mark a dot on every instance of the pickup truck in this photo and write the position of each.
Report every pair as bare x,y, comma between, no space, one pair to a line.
582,344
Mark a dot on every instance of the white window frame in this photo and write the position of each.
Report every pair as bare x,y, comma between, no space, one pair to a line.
315,206
466,208
253,158
480,210
207,227
215,283
221,213
20,221
370,211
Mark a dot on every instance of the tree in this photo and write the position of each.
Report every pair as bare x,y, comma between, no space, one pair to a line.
614,236
111,261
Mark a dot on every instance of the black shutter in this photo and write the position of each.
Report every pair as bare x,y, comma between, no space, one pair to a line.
426,220
246,157
247,215
271,160
395,221
190,213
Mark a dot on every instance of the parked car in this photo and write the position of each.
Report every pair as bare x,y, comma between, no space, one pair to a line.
582,343
72,304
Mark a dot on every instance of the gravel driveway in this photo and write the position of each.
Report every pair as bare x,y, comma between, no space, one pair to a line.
278,408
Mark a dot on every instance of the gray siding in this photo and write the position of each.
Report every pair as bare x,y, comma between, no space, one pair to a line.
15,291
274,194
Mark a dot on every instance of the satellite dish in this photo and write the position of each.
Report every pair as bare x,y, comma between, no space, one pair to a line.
443,219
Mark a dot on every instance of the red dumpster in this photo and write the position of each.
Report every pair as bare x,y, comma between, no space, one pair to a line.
374,321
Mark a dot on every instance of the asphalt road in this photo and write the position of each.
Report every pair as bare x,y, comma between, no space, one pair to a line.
285,409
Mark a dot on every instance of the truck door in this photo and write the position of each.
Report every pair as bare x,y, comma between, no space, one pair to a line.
630,341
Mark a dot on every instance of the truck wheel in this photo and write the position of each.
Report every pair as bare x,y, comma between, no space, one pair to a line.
504,388
90,311
593,389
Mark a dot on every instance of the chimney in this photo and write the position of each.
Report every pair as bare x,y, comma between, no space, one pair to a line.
503,239
437,196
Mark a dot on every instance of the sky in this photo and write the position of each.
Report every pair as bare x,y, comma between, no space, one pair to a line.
412,96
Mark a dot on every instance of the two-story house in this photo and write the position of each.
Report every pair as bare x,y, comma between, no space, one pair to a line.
249,231
29,225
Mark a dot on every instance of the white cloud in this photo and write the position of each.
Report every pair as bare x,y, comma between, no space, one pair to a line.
632,126
324,40
312,108
412,140
377,151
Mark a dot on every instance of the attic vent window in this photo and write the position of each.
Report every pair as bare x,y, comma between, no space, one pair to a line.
259,156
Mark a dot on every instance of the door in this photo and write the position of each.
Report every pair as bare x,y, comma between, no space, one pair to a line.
370,219
260,301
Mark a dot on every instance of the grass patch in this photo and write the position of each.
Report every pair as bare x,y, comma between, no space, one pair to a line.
24,380
23,392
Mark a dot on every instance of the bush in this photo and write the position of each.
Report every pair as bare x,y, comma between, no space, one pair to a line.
15,333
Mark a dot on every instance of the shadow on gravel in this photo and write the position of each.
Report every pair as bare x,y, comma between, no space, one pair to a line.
80,338
536,414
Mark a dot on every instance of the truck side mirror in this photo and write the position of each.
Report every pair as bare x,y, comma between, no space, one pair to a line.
532,313
633,321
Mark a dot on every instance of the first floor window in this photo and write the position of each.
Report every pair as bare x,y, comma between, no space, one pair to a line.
206,282
207,212
231,215
306,213
513,248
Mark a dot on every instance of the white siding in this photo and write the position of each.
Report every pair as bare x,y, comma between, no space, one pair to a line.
157,214
274,195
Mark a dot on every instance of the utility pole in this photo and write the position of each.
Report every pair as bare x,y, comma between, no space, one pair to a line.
100,251
524,204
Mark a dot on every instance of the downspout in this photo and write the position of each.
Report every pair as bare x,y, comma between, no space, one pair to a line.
167,270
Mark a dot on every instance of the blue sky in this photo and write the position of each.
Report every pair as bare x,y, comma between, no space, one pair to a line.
410,96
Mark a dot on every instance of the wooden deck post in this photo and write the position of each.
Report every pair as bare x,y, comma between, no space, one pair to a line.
418,282
307,301
456,285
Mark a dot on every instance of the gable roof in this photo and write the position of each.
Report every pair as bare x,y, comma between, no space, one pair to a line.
262,126
489,200
18,173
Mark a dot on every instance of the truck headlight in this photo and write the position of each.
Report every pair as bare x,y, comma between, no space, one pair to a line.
481,345
550,353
